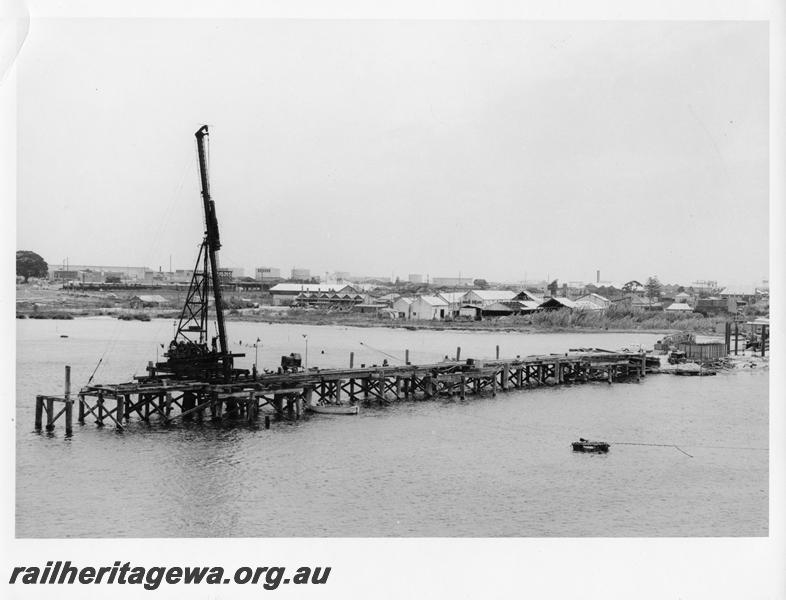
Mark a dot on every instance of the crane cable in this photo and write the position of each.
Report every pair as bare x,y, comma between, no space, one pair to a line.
381,352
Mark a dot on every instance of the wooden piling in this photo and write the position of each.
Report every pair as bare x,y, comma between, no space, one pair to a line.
100,406
50,413
505,376
497,351
406,357
267,421
69,413
458,353
463,387
736,336
119,411
81,413
39,412
251,407
351,360
763,339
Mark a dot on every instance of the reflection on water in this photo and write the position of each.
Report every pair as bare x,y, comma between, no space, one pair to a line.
480,467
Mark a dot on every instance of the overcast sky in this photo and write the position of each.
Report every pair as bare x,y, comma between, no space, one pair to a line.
491,149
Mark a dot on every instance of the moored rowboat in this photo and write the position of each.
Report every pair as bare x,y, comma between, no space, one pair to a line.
587,446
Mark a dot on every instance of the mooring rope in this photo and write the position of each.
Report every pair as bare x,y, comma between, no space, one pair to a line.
381,352
643,444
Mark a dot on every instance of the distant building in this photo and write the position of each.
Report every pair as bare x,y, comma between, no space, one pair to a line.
527,296
287,293
429,308
126,273
271,274
183,275
487,297
63,276
225,275
403,306
147,301
592,302
415,278
454,300
341,276
558,302
452,281
301,274
678,307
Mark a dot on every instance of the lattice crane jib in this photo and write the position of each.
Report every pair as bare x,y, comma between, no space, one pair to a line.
189,355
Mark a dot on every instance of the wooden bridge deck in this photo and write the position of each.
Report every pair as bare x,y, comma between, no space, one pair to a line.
287,395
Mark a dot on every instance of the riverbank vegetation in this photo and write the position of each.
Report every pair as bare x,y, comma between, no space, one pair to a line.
612,319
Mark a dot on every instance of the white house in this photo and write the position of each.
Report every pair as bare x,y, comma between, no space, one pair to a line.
454,300
429,307
403,306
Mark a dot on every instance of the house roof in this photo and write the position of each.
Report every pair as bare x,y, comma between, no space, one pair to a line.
433,300
530,295
739,290
497,307
594,298
679,306
152,298
405,300
452,297
559,300
524,304
493,294
584,304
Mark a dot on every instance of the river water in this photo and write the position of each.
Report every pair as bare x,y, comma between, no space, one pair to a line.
481,467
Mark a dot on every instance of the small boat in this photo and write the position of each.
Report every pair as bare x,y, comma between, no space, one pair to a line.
695,372
587,446
335,409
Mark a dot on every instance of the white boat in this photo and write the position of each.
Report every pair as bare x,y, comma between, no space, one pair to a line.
335,409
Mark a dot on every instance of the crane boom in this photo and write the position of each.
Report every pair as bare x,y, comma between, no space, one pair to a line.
211,236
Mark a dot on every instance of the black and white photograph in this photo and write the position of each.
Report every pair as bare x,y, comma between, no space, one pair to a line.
332,285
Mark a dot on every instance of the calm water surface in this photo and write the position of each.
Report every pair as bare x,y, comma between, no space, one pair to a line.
481,467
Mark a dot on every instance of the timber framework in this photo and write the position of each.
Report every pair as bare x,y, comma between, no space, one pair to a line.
287,396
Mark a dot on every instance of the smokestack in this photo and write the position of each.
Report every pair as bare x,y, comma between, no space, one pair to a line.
597,276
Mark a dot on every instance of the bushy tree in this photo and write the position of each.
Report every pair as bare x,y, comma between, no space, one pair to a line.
653,287
29,264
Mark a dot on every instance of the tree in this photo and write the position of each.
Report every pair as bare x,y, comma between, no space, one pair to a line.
480,284
631,286
29,264
653,287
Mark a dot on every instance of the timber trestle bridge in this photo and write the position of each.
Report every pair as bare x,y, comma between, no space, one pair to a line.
287,396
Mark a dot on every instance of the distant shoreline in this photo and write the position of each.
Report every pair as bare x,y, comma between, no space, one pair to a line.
326,320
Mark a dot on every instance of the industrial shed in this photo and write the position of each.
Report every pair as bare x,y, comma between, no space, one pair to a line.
429,307
487,297
148,301
557,303
403,306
